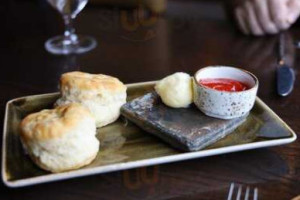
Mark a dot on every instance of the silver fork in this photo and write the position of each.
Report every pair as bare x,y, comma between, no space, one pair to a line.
239,192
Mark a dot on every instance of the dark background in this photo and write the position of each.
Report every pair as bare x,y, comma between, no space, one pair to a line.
187,36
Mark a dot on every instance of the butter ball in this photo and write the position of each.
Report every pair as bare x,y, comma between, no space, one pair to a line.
176,90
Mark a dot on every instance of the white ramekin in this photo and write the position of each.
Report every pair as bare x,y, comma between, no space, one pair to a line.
223,104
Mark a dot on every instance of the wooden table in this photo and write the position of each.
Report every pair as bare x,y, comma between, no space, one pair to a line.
188,36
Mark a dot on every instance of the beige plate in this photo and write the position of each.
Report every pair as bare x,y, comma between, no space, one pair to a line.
124,145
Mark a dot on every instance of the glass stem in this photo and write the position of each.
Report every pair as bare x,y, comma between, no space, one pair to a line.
70,36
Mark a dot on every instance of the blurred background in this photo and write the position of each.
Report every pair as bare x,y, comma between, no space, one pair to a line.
158,36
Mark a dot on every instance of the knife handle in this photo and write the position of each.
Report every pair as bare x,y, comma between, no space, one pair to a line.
281,46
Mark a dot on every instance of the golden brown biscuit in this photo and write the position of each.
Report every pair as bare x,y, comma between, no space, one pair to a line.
60,139
103,95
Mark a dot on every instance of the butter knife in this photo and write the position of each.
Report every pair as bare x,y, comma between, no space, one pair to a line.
285,74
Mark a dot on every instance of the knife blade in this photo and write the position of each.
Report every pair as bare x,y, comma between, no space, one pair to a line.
285,74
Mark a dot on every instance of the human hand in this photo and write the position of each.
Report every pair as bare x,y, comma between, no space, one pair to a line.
261,17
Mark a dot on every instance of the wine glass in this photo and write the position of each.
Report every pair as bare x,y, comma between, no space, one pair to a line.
69,43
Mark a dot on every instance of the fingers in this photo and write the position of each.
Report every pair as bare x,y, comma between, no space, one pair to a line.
241,19
279,12
254,25
260,17
263,16
247,19
294,10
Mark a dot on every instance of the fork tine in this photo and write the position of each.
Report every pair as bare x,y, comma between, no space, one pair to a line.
230,191
238,196
247,193
255,197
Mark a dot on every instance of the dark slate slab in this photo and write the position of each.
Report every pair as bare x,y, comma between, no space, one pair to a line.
187,129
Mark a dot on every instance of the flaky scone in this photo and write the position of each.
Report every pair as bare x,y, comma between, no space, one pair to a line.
60,139
103,95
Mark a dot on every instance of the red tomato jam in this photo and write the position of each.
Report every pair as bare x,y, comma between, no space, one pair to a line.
224,84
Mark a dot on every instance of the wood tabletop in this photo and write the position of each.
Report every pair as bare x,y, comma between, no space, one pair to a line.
188,36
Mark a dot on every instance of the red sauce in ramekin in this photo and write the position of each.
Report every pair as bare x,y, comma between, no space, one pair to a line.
224,84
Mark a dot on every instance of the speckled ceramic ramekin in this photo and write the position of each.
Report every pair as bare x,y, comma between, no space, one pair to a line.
223,104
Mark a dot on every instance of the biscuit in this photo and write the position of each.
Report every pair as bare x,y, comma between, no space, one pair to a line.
103,95
60,139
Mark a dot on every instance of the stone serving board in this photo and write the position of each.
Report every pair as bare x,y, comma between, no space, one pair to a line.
187,129
124,145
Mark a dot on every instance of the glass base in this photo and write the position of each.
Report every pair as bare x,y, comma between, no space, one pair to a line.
60,46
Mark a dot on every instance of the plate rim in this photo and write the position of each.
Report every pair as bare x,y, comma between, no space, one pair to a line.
134,164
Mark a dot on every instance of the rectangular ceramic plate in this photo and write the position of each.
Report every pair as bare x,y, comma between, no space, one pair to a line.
124,145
